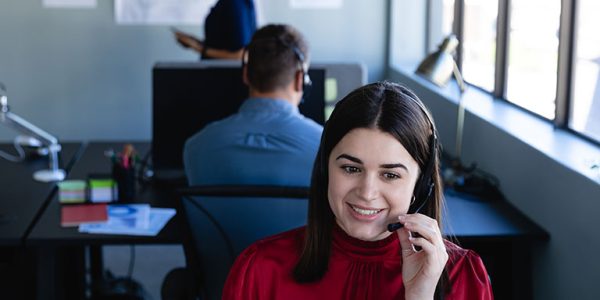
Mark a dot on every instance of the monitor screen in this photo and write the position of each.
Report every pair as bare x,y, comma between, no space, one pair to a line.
188,96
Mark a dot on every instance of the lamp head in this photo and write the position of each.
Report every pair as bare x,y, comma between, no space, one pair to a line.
439,66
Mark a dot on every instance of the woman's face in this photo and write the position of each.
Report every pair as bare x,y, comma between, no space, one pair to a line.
371,182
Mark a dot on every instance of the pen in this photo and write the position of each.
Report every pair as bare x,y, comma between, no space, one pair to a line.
127,152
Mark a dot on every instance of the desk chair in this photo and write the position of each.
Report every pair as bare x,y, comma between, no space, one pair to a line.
224,220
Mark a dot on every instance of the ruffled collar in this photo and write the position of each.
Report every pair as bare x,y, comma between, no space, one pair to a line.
384,249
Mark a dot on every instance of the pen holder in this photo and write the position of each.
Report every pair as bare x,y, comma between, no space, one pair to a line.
125,178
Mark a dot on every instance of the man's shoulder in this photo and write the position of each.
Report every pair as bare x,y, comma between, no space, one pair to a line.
308,125
213,130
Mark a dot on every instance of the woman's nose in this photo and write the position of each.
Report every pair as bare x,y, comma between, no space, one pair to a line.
368,189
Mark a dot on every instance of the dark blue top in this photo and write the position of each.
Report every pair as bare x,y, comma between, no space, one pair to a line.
267,142
230,24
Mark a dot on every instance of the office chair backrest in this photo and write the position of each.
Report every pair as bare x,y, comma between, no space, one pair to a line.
224,220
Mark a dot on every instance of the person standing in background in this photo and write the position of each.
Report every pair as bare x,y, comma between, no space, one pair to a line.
228,28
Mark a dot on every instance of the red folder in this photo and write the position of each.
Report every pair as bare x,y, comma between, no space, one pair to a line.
73,215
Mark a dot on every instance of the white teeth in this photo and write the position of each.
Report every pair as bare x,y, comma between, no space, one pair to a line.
367,212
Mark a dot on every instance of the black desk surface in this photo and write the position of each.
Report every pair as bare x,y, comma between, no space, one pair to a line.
471,218
21,197
467,217
48,231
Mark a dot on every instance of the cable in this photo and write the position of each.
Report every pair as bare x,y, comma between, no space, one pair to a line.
131,261
145,169
13,158
217,225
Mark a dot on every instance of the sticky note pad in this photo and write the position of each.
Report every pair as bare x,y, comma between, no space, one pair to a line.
330,89
71,191
102,190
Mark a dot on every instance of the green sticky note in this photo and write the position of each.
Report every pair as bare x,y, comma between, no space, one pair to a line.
330,89
101,183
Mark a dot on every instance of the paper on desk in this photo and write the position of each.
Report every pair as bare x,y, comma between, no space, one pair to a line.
158,219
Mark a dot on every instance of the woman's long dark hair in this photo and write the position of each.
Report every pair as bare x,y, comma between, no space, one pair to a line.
393,109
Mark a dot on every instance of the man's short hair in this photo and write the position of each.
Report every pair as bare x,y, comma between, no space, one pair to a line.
274,55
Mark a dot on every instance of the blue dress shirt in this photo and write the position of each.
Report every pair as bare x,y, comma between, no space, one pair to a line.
267,142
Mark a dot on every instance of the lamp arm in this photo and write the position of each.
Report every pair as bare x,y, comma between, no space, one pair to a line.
23,126
459,79
460,118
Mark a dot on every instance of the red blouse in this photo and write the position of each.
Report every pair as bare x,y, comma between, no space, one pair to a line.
357,270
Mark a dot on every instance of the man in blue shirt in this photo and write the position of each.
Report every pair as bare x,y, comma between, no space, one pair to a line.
268,141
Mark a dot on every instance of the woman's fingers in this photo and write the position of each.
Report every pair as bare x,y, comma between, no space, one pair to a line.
424,226
405,243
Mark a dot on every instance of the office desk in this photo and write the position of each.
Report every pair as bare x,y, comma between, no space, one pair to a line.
501,235
48,231
496,230
22,198
22,201
61,251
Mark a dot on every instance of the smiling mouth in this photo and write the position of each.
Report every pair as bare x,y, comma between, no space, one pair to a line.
365,211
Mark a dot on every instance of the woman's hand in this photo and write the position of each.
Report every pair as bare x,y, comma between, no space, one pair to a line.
421,269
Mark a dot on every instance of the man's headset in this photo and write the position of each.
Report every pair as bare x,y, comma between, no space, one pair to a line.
425,185
302,64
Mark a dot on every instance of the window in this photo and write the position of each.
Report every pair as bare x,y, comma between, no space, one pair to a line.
585,105
536,54
447,17
479,42
533,55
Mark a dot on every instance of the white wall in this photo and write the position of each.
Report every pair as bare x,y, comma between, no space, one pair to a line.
356,32
79,76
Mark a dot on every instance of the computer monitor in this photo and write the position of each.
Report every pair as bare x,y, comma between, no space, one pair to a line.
188,96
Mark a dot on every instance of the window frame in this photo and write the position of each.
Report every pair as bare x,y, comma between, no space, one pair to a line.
565,65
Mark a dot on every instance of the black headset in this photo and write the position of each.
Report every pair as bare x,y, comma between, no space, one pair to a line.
425,184
303,66
306,82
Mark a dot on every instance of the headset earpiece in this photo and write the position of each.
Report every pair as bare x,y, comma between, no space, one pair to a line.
306,82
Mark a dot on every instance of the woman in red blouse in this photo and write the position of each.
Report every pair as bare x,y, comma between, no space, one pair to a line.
374,213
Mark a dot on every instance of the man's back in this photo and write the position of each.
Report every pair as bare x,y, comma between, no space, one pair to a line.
267,142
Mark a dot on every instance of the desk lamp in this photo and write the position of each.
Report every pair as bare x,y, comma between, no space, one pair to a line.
438,68
48,141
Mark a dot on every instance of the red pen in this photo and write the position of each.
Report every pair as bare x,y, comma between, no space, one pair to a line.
127,152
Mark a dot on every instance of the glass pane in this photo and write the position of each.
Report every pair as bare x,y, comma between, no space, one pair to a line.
533,55
447,16
479,42
585,103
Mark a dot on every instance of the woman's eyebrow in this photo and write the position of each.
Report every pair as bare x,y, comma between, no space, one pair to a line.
350,158
393,166
384,166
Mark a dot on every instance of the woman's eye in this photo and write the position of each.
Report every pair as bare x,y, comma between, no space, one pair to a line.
350,169
391,176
